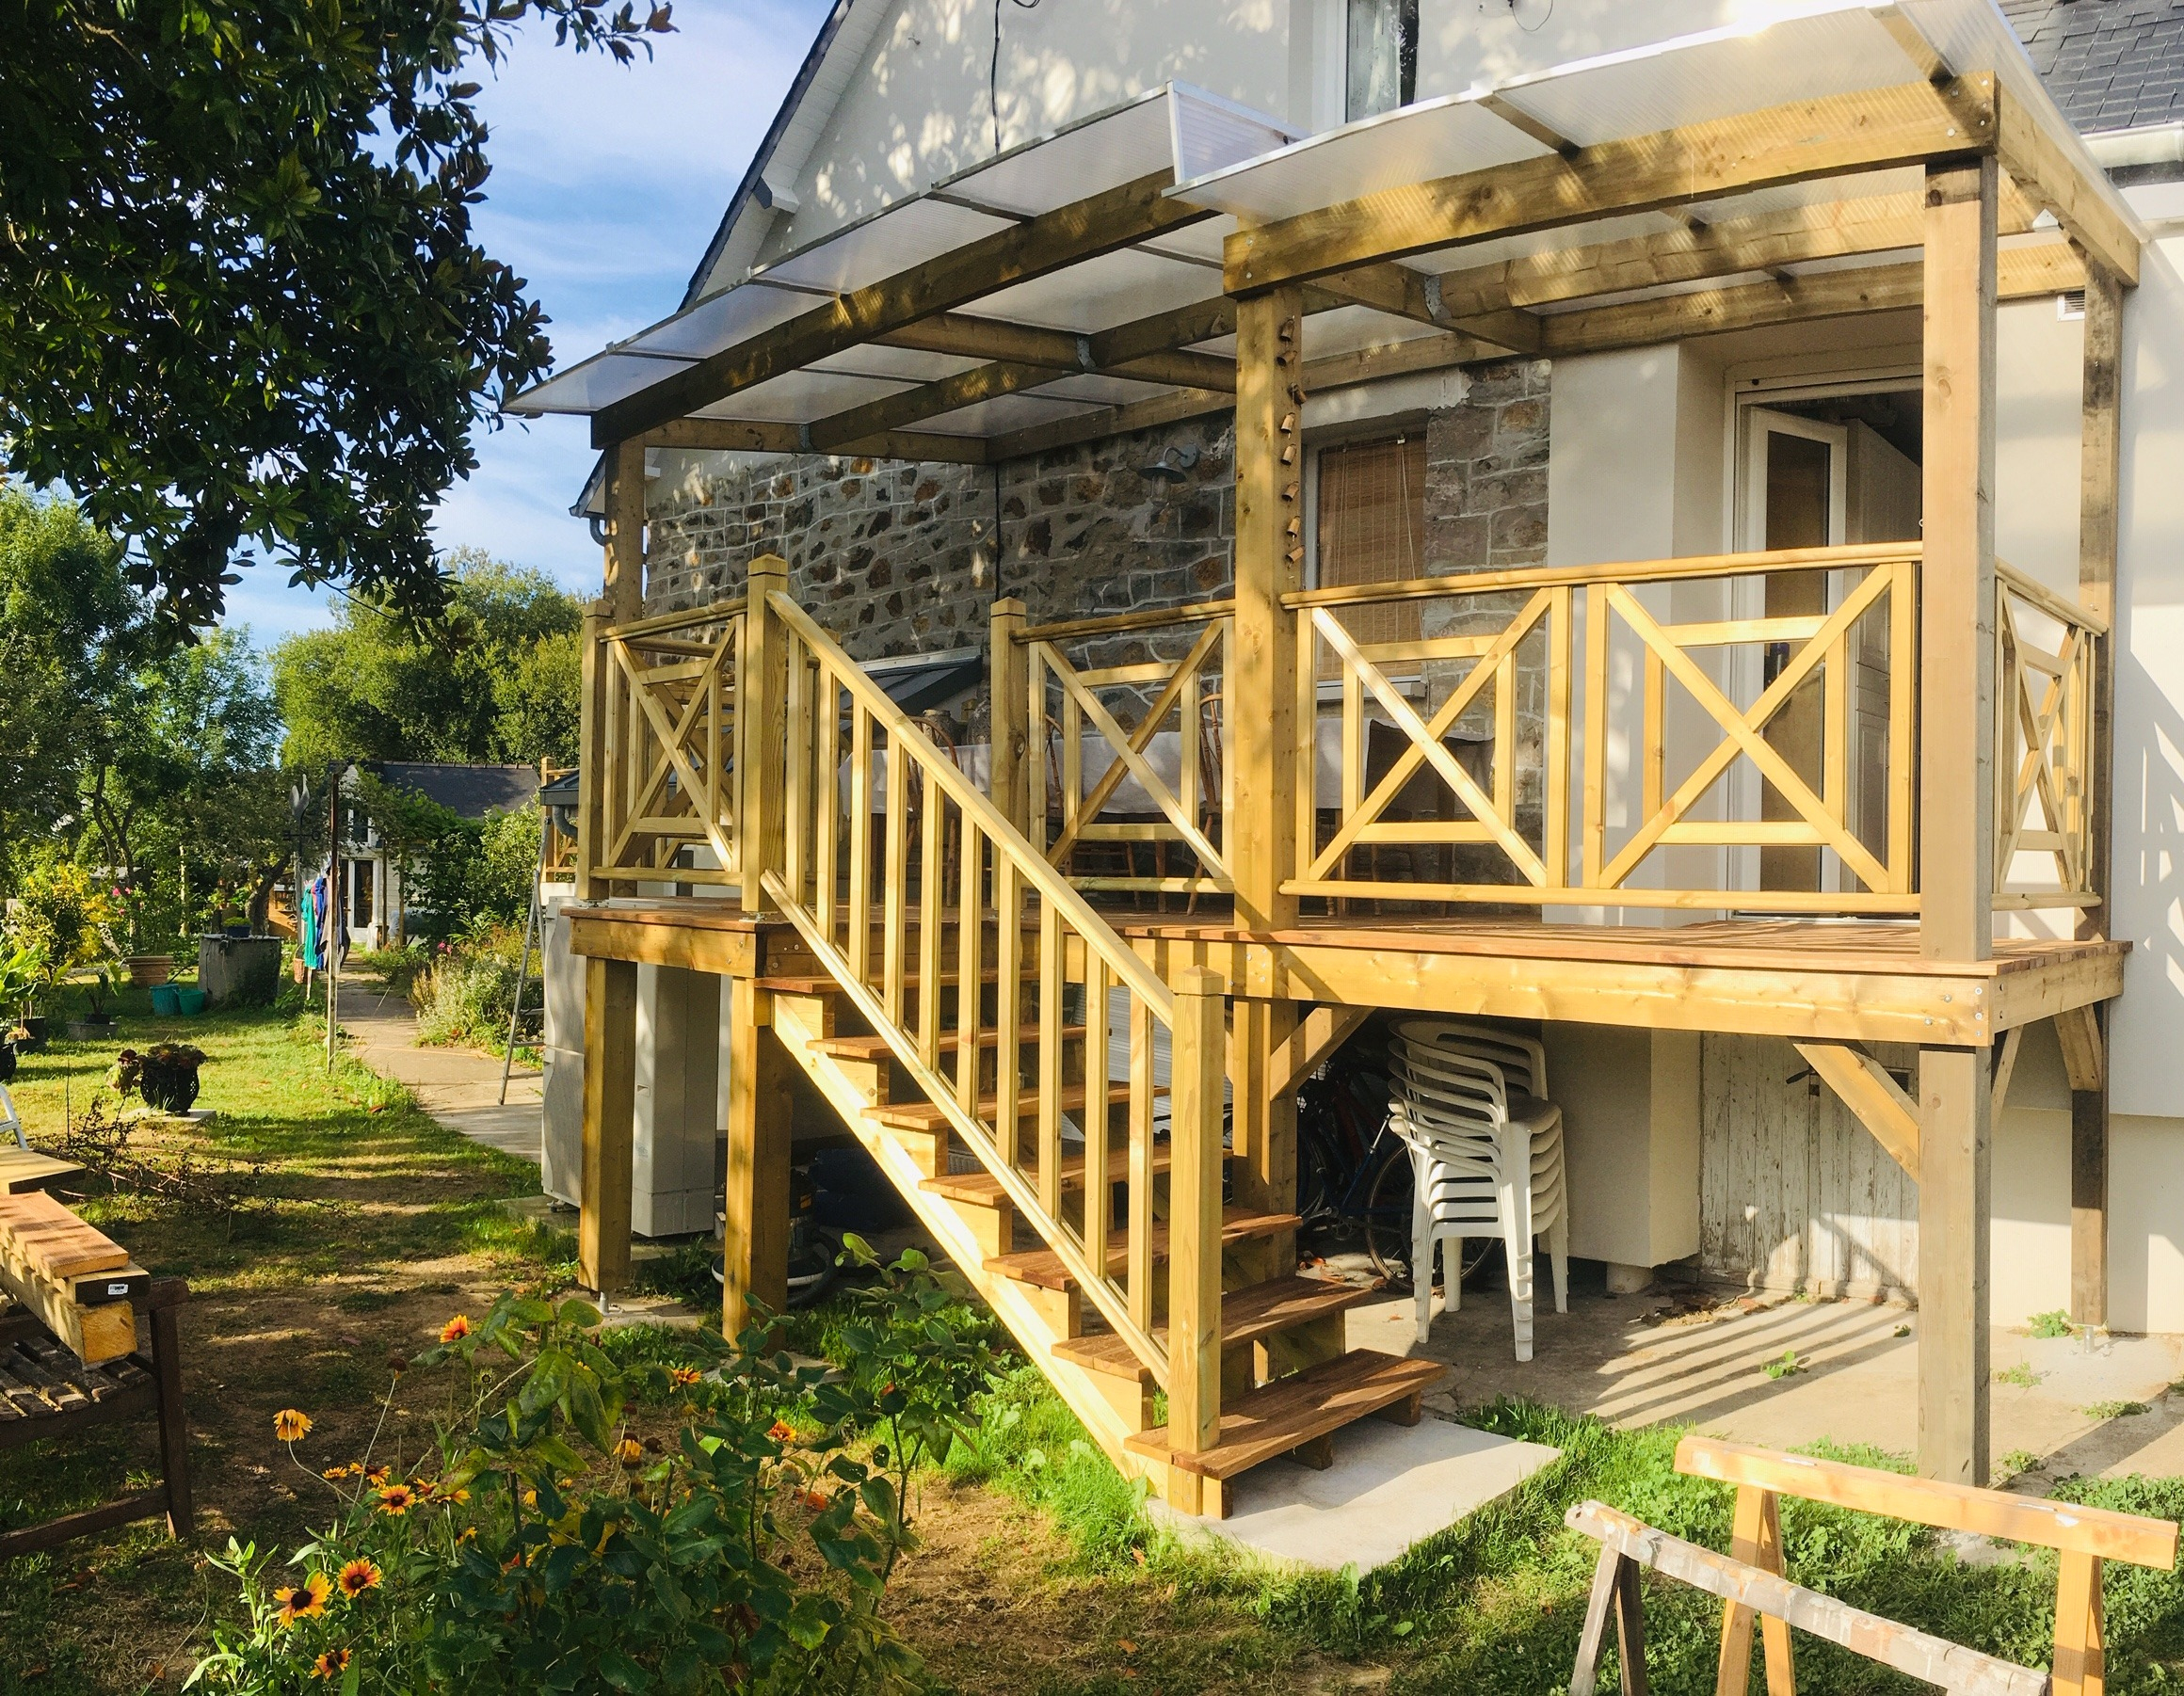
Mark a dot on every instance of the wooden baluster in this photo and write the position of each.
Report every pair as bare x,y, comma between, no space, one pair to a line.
2081,1655
930,875
1653,726
1137,1216
1187,772
858,915
1099,1191
1592,825
826,792
1555,779
796,832
599,757
897,866
1015,744
762,691
1073,766
1835,730
970,951
1195,1221
1505,742
1007,1004
1902,721
1051,1061
1305,848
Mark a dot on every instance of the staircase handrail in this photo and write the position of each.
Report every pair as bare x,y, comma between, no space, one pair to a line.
1028,863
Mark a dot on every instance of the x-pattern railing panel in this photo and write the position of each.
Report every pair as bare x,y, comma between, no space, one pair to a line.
670,722
1066,700
2043,746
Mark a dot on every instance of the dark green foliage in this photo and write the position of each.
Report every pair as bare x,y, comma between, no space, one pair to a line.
240,297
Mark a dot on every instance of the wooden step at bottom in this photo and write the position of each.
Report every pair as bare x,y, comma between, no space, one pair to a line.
981,1188
1044,1268
1292,1412
1259,1310
875,1047
928,1115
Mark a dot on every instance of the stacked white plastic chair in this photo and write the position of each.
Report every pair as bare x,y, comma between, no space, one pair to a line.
1487,1155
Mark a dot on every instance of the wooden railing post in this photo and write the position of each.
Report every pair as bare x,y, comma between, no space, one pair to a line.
1195,1222
1008,735
762,733
1957,809
625,531
597,760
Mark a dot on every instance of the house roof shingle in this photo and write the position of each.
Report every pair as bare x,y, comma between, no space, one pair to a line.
2110,64
470,791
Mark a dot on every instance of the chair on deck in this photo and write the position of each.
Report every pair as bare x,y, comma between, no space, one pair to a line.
1487,1158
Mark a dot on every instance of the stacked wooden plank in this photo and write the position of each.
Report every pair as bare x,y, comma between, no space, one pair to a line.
77,1281
38,1379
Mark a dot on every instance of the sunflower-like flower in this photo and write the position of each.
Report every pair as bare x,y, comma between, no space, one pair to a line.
630,1452
456,1329
424,1488
357,1577
330,1663
781,1431
335,1474
375,1475
305,1601
291,1425
682,1377
396,1499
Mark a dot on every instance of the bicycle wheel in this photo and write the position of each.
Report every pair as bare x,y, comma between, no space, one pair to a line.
1387,1205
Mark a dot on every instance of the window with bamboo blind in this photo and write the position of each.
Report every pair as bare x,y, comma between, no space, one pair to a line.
1371,529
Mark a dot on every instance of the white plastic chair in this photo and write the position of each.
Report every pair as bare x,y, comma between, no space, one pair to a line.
1487,1158
10,1120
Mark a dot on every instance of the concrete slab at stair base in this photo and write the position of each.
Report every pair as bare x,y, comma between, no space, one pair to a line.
953,1232
1391,1486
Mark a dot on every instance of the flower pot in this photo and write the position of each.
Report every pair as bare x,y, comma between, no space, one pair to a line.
167,1078
240,932
35,1024
7,1062
146,970
189,1002
95,1028
166,1001
297,971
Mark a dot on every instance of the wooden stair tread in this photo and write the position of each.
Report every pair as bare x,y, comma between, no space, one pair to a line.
1259,1310
54,1240
1269,1421
875,1047
928,1115
1044,1268
981,1188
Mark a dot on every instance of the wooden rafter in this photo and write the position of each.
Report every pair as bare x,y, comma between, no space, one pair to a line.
1086,229
756,436
1836,135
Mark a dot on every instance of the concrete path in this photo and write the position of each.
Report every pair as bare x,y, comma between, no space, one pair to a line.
460,1087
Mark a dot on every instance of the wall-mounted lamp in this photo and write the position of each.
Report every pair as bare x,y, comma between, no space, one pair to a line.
1171,465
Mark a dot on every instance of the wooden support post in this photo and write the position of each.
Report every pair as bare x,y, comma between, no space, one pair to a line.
1195,1224
2100,444
1008,735
625,531
1260,719
1755,1539
173,1420
762,733
2080,1664
1956,728
755,1242
610,1107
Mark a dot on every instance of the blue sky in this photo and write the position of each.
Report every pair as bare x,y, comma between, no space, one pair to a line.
607,183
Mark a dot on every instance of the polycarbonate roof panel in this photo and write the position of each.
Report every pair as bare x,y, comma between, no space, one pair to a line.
721,320
1118,146
1116,288
599,381
1348,329
1005,415
803,396
1098,390
1715,74
907,365
1434,138
900,239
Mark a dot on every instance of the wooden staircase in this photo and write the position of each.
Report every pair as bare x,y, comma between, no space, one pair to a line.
971,1059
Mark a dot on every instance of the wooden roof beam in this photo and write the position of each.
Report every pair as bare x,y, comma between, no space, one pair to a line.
745,435
1086,229
1836,135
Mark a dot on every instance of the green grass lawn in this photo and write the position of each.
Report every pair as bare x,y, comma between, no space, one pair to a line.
1041,1575
369,1226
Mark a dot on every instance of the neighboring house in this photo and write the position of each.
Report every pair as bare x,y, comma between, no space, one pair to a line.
1506,356
375,899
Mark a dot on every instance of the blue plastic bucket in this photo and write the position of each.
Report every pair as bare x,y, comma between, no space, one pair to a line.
166,1000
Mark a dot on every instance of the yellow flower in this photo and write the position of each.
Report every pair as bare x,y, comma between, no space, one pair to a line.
358,1576
306,1602
467,1532
396,1499
375,1475
455,1328
291,1425
781,1431
629,1451
680,1377
456,1496
335,1474
330,1663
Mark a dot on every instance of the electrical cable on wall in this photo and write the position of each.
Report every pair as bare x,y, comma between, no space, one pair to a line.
993,70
